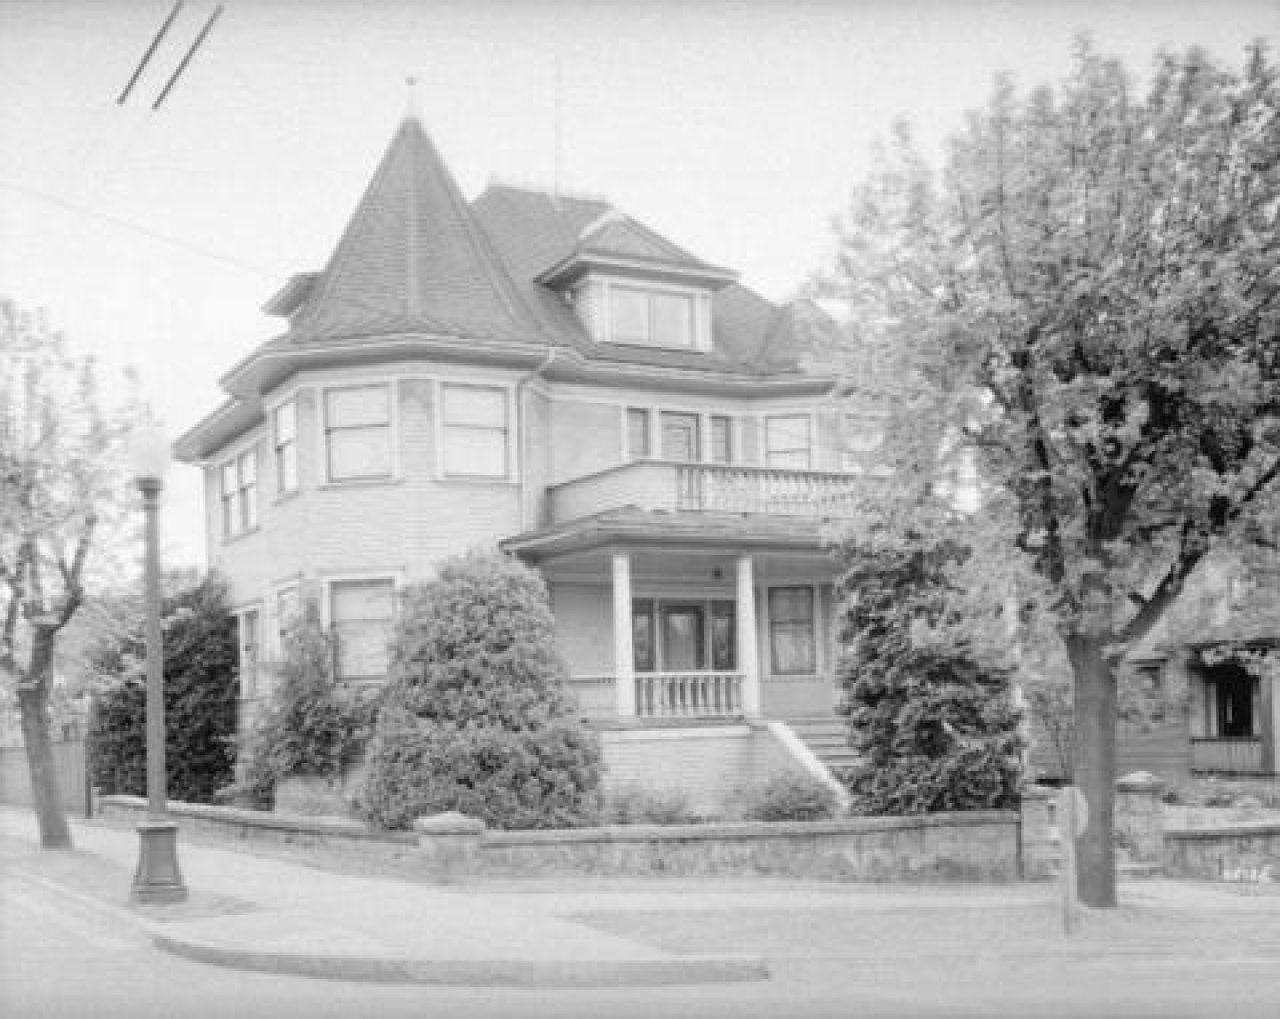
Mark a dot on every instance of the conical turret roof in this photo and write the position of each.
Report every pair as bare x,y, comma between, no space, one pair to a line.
412,258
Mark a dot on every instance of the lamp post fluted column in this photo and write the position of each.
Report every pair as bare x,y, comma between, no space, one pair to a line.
158,878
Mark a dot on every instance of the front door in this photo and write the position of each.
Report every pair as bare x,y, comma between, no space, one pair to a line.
682,638
680,437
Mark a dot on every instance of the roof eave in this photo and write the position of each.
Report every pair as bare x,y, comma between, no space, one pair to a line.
580,263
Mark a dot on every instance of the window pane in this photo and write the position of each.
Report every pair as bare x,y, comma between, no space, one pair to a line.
637,432
791,604
361,613
673,320
475,452
642,635
230,481
358,405
724,651
249,506
248,468
359,453
286,423
628,315
473,405
287,467
720,452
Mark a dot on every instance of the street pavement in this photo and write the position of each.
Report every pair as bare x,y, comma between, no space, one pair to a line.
69,946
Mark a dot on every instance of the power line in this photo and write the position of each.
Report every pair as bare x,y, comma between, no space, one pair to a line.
150,52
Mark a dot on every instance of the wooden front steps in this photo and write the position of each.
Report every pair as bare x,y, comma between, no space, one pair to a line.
827,736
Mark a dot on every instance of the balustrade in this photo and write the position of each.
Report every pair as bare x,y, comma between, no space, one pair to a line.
715,488
1241,756
666,694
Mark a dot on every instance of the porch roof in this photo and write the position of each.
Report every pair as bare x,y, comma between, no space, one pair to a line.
637,527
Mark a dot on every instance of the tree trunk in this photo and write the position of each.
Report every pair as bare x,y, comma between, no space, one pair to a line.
33,701
1095,767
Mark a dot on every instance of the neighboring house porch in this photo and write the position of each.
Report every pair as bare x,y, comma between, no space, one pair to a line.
1234,708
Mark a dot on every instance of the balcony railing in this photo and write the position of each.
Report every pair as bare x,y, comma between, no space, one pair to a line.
706,488
667,695
1239,756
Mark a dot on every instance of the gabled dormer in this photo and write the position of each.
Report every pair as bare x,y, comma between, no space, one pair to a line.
630,286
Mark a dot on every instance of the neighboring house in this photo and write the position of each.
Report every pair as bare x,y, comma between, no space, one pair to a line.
1214,662
546,375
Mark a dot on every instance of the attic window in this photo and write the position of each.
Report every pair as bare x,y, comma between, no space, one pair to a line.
659,318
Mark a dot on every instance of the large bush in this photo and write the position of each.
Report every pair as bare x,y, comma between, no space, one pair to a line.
933,724
200,689
310,725
476,716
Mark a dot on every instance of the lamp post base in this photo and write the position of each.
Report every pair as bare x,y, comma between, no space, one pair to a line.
157,879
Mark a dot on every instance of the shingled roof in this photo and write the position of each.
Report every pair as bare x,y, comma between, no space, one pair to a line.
416,257
411,258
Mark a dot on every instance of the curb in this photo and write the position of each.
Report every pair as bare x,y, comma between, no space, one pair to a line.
475,972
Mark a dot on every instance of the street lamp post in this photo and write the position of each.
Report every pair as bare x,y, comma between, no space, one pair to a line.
157,878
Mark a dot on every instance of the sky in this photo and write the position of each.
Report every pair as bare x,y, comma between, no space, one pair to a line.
739,129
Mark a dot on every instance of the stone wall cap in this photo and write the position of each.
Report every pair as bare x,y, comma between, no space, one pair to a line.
449,823
1139,782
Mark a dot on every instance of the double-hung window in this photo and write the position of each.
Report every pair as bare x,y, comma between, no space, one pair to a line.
791,634
284,420
240,493
477,435
357,425
360,614
787,442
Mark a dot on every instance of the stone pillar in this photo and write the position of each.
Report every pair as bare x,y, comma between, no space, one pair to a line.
450,843
624,662
1139,824
748,657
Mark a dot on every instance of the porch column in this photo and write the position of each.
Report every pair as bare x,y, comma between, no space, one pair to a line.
624,670
748,658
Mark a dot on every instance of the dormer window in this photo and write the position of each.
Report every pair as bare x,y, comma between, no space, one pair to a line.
656,317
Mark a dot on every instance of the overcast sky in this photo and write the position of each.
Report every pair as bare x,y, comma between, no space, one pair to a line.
737,129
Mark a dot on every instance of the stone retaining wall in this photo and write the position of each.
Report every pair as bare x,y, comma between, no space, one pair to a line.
969,846
1233,852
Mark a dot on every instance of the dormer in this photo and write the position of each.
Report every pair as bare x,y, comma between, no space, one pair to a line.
630,286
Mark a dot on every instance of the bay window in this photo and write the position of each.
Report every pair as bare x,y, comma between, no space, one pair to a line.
477,439
358,432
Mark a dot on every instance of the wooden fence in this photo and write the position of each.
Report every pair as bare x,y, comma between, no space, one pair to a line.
68,761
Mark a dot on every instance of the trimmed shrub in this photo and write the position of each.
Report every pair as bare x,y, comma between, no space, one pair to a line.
786,796
529,778
200,690
311,725
476,716
638,805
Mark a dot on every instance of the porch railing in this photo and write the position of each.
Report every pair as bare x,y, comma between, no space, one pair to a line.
706,488
670,695
1240,756
717,488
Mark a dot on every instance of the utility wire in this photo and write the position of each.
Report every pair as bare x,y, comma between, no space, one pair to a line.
186,59
150,51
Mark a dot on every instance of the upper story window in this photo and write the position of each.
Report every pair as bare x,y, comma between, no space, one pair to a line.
476,434
721,440
787,443
863,434
284,422
357,430
360,614
653,317
240,493
638,432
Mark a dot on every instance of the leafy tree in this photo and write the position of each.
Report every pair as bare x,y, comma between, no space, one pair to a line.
311,725
1087,305
60,487
200,688
476,716
935,727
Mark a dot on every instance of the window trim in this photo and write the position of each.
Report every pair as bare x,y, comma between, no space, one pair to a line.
699,309
236,501
510,430
814,610
393,430
290,446
767,452
395,577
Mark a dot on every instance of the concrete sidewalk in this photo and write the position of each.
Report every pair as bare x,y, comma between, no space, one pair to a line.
287,914
253,913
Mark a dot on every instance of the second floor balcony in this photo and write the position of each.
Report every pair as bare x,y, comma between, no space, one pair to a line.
706,488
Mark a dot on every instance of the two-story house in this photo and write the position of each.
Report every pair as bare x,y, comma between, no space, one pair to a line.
544,374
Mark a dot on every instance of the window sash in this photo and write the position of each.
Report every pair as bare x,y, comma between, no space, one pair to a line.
787,442
285,421
476,440
671,319
792,648
358,432
662,318
637,432
360,614
628,315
